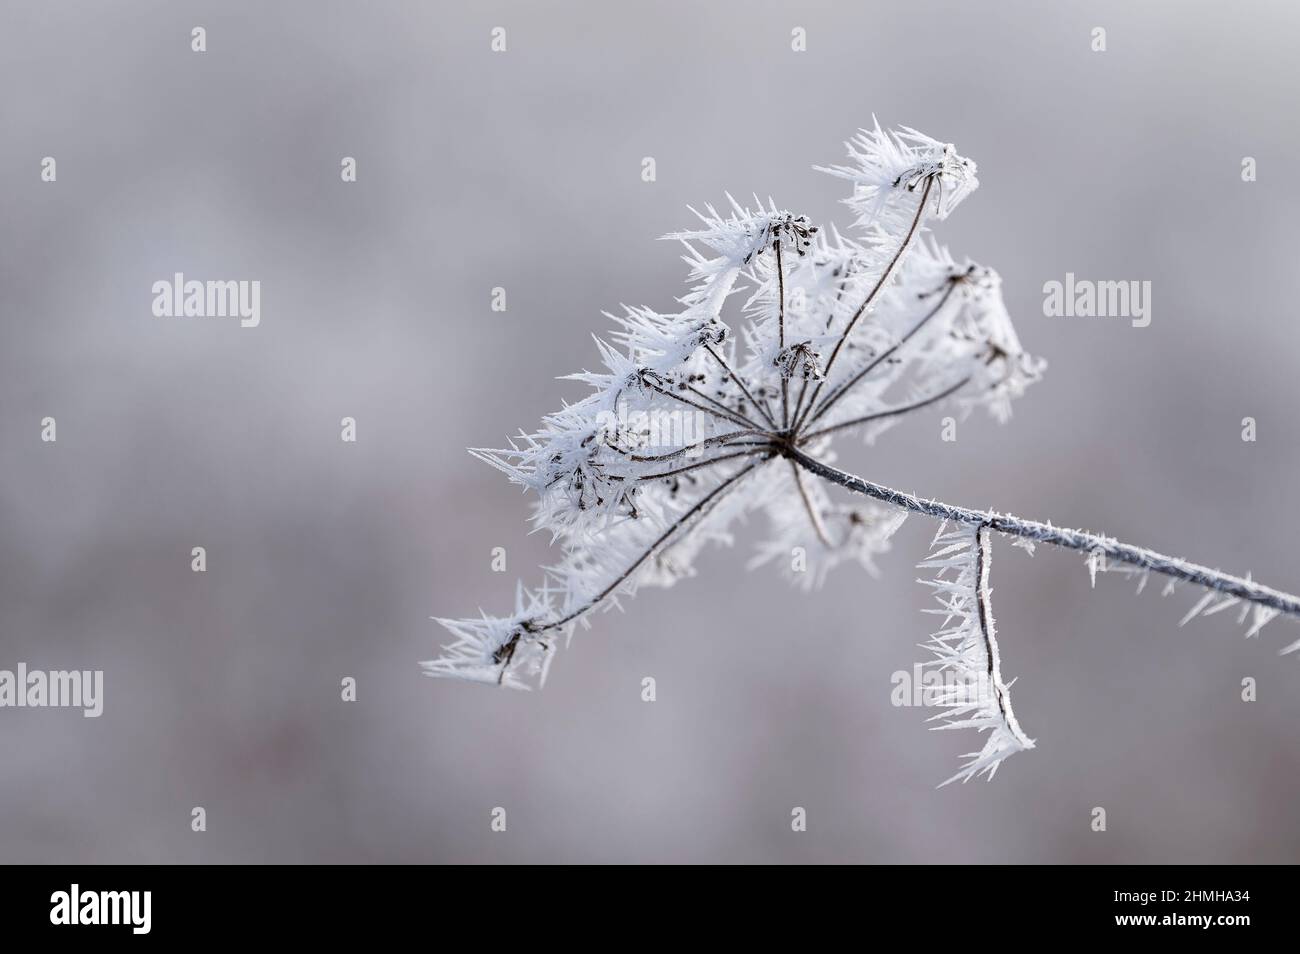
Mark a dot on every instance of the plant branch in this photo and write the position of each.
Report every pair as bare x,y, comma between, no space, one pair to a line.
885,276
1092,543
798,402
698,445
780,315
730,417
891,412
758,449
988,633
738,416
701,506
813,516
839,295
839,392
741,384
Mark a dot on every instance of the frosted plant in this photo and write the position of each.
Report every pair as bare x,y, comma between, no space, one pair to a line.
825,335
967,649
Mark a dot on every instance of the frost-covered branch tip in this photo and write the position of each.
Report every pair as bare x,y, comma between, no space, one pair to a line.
790,335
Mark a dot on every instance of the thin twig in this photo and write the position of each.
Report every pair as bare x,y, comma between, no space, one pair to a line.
730,419
741,384
875,362
689,467
740,416
813,517
780,315
891,412
844,283
885,276
698,445
798,403
678,524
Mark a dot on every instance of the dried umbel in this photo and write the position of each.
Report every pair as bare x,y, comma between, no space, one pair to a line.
829,335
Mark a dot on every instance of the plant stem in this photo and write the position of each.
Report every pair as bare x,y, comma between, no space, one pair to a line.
881,282
700,508
1092,543
758,449
785,383
813,517
731,417
827,404
716,403
888,412
741,384
697,446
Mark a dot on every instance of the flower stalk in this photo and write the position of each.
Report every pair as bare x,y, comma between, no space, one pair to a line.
1095,545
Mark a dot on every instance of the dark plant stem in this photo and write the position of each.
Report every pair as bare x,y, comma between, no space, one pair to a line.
697,446
685,520
785,383
741,384
758,449
718,404
827,404
889,412
884,279
813,517
731,417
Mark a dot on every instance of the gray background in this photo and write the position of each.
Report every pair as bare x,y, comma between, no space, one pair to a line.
522,170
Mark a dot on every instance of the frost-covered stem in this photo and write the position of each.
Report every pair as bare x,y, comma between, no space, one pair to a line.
697,446
731,418
798,402
891,412
883,356
681,522
983,560
758,449
885,276
780,319
736,415
741,384
813,516
839,295
1091,543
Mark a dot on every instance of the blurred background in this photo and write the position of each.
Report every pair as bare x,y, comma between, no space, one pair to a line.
522,170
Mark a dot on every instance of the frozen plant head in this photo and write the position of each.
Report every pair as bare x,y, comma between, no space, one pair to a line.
876,334
790,336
